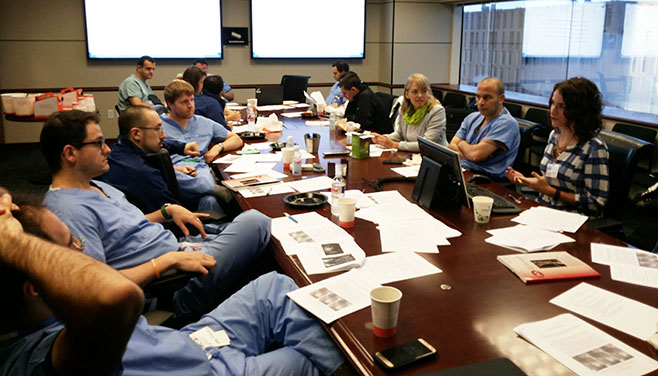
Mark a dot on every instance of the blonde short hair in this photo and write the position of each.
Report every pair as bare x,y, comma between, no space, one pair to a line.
177,88
423,84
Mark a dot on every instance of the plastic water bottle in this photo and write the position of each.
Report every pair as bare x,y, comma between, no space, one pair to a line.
337,189
289,143
251,118
297,162
332,122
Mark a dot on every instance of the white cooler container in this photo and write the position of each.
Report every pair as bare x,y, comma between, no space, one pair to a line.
8,102
24,105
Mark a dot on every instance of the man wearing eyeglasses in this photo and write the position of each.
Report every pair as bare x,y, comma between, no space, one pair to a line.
141,133
119,234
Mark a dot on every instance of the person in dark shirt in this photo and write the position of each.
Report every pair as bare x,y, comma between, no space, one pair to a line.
364,107
141,133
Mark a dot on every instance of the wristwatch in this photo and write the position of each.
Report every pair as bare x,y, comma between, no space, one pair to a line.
221,144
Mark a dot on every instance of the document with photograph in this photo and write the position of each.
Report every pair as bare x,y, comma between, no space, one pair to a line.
306,231
585,349
627,264
616,311
334,297
545,266
320,258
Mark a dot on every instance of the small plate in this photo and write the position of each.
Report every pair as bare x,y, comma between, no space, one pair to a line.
305,200
277,146
252,135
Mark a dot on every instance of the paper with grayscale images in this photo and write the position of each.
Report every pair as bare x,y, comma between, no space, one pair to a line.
551,219
619,312
338,296
310,230
628,265
585,349
319,258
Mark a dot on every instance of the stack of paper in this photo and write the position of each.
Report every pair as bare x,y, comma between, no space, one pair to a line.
551,219
320,245
628,265
585,349
343,294
403,226
526,238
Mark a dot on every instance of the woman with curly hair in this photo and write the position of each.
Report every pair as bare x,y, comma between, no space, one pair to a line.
574,169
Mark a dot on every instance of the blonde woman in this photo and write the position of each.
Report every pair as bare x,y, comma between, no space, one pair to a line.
421,115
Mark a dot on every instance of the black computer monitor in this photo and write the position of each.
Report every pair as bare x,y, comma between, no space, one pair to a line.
440,181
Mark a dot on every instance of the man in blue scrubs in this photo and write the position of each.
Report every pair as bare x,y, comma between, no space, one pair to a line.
119,234
335,96
99,309
488,140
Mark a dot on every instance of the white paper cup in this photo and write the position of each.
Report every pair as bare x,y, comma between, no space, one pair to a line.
346,207
252,102
8,102
321,107
287,155
482,208
385,306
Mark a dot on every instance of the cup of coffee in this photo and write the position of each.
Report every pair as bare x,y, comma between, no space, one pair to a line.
346,208
287,155
482,208
385,306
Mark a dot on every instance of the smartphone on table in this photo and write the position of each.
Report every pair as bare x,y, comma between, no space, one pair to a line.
405,354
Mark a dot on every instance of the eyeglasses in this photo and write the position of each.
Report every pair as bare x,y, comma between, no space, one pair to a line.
100,143
157,129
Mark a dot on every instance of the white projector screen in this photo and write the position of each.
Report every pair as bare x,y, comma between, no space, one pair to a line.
121,29
563,29
308,29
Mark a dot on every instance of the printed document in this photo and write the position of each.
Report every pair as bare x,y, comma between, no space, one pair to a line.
619,312
551,219
585,349
526,238
627,264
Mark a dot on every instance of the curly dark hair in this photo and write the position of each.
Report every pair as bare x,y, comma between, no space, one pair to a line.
583,105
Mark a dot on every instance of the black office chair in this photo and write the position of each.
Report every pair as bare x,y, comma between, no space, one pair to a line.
522,161
162,161
454,100
514,109
389,100
438,94
294,87
623,157
116,107
643,177
540,131
454,119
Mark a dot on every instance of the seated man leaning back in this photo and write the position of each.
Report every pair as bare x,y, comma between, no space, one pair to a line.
141,133
119,234
181,124
488,140
96,305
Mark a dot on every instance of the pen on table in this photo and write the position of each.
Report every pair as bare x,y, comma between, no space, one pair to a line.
290,217
268,192
514,198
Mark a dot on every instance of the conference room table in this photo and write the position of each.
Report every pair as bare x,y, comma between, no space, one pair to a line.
473,321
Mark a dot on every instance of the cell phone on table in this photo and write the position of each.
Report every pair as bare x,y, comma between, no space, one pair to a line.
405,354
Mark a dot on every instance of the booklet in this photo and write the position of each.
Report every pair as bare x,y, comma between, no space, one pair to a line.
248,181
546,266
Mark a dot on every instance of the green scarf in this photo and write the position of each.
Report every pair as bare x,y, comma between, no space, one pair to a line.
413,118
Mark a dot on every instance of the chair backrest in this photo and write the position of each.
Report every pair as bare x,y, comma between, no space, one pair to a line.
514,109
454,100
454,119
116,108
438,94
162,161
637,131
525,131
388,100
294,87
538,115
623,156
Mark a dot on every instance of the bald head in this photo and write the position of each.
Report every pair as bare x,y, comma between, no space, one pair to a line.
495,83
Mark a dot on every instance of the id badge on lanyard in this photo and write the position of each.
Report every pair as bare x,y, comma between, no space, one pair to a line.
552,170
